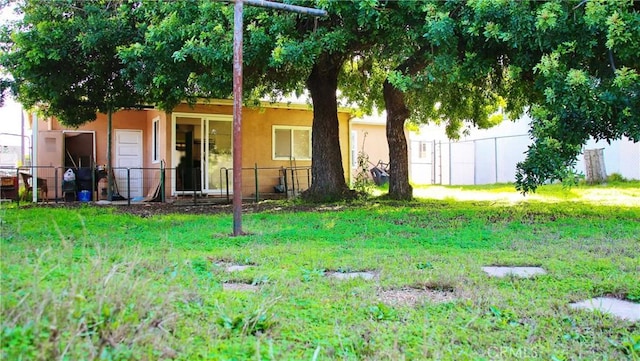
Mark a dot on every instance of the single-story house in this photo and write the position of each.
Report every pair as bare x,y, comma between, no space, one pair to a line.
193,144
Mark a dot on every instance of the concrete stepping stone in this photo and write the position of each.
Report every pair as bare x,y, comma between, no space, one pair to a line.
231,267
242,287
625,310
351,275
236,267
504,271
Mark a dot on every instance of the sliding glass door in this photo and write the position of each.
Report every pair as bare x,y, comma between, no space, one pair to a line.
217,155
202,152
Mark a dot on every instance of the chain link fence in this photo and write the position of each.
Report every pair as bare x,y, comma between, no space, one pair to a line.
45,184
479,161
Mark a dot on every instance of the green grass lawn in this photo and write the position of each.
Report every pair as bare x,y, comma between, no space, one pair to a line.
92,283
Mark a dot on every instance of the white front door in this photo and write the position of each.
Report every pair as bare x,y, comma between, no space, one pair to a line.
128,155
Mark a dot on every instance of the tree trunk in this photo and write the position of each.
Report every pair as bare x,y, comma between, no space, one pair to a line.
328,182
397,113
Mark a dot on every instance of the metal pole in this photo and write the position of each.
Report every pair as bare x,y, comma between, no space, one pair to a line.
55,181
450,165
286,7
237,95
440,161
128,186
293,183
255,175
433,163
17,184
162,195
226,176
286,183
237,118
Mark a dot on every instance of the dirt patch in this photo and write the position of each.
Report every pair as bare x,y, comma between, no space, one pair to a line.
412,297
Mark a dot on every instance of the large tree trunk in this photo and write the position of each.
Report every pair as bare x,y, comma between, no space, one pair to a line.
328,182
397,113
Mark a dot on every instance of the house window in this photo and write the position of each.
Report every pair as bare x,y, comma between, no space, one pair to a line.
291,143
422,150
156,141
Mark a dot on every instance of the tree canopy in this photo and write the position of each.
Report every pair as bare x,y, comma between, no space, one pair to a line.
587,81
63,57
573,65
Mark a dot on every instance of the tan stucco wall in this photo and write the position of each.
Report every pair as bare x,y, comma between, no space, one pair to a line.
257,133
125,119
375,143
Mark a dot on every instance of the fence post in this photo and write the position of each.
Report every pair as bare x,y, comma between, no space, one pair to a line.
193,184
55,183
128,186
226,176
162,196
18,188
255,172
450,165
440,161
286,184
293,183
433,162
495,156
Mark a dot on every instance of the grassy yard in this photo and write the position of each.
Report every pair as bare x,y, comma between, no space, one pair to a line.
95,283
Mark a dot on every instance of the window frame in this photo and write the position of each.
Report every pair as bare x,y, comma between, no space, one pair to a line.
290,128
